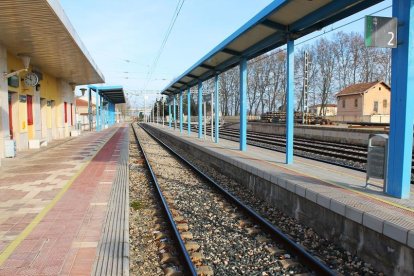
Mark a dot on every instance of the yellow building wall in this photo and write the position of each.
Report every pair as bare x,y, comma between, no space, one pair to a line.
20,123
48,90
377,93
350,109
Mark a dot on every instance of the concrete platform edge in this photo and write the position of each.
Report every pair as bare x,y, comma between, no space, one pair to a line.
383,244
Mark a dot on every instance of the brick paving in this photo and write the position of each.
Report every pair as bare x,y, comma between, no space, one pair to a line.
64,242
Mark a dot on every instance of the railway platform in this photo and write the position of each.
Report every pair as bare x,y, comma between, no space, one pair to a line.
328,198
59,205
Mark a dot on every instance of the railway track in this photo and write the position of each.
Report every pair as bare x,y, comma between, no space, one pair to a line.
220,233
340,154
155,241
345,155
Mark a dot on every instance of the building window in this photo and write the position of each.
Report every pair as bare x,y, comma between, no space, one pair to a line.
356,103
384,103
379,88
343,103
375,106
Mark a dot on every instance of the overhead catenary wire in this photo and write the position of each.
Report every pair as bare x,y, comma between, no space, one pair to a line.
271,53
177,11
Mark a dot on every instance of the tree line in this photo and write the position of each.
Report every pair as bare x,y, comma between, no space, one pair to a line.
334,64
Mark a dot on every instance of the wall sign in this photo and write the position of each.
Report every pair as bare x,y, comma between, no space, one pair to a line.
14,81
22,98
381,32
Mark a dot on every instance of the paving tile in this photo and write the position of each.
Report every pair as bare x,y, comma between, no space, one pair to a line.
323,200
395,231
337,207
311,195
290,186
49,245
353,214
274,179
373,222
300,190
410,239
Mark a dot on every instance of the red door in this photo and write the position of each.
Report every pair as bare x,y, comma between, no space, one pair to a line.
66,111
10,117
71,114
29,110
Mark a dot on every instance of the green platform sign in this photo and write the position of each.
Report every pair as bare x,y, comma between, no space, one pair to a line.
381,32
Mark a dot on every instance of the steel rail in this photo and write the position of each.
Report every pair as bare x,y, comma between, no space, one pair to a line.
188,264
304,256
252,143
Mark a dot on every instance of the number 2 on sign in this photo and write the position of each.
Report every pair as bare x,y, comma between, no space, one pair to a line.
391,43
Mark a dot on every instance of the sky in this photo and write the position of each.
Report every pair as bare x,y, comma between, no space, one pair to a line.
124,37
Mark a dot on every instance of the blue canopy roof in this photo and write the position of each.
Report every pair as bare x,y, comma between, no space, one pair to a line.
269,29
113,94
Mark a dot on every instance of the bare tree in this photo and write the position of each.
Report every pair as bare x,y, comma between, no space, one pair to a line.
335,63
325,60
228,87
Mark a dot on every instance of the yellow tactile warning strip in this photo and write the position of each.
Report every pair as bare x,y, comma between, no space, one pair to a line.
11,247
15,243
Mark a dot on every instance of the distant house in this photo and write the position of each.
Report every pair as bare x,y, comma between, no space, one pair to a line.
82,113
328,110
363,101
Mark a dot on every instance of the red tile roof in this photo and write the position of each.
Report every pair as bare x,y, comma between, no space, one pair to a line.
359,88
80,102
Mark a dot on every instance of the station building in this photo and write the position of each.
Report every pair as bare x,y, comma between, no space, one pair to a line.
42,59
365,102
326,110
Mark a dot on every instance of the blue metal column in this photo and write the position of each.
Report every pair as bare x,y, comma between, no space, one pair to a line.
98,111
109,114
402,113
243,104
200,109
102,112
104,109
290,91
189,112
216,105
90,109
112,114
174,114
181,112
169,113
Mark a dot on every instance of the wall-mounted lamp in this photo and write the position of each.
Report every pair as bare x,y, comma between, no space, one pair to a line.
26,62
83,90
72,85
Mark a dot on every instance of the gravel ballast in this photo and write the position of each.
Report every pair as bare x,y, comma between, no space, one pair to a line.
228,241
337,258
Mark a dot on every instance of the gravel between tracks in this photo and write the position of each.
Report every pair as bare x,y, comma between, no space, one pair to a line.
337,258
333,160
226,246
144,259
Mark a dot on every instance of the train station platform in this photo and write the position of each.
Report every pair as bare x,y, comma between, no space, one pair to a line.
330,199
57,205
